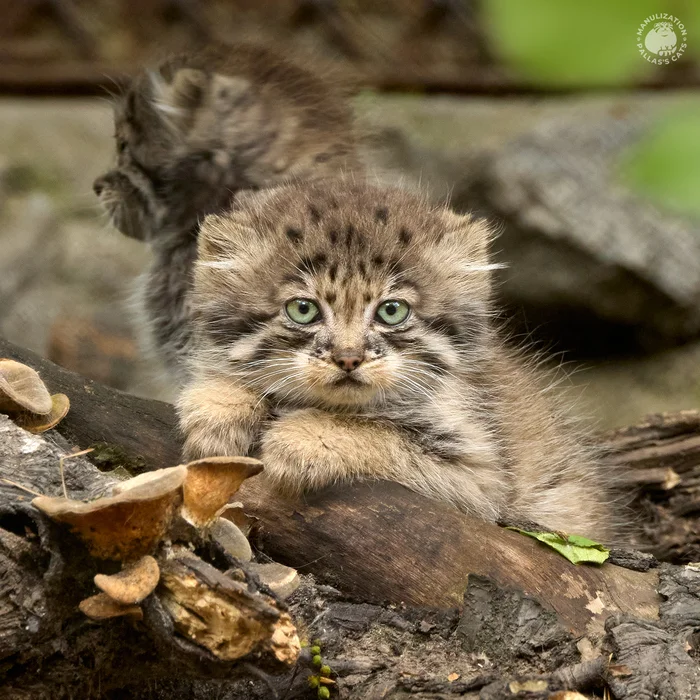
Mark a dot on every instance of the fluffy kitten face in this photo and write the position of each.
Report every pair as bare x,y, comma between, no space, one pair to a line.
341,294
204,126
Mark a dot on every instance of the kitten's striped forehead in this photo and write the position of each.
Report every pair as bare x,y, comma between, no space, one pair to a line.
347,265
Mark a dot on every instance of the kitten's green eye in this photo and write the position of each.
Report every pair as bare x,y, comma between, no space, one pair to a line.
392,312
302,311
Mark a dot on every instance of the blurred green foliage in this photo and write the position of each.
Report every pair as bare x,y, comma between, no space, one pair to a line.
691,19
665,165
577,43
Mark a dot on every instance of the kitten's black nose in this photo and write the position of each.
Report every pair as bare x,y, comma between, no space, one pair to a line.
347,359
99,185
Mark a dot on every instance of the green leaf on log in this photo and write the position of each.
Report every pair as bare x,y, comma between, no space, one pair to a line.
577,549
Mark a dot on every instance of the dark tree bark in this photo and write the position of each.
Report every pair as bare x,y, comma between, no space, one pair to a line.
658,461
144,432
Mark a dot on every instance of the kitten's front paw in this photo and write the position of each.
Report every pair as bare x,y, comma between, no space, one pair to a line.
205,436
203,443
300,452
218,419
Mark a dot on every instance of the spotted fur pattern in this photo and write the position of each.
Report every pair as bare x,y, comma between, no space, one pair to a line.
192,133
438,402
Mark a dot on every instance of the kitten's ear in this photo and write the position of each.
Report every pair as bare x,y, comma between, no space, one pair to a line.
242,228
463,254
180,92
255,202
469,239
222,236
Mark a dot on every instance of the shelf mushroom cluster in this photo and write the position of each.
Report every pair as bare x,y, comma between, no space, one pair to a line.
135,525
138,526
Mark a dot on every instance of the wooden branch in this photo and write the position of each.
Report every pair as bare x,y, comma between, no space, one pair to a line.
669,440
660,458
379,541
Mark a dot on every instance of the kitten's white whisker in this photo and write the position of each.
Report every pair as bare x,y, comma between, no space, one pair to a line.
259,382
484,268
417,388
435,373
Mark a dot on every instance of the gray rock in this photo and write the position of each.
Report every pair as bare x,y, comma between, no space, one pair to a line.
585,257
578,240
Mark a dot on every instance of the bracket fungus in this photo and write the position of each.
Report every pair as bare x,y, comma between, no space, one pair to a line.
21,389
280,579
27,400
102,607
125,526
133,583
229,536
237,515
40,423
210,484
227,614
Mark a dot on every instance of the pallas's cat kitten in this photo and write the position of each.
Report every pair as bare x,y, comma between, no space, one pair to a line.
191,133
346,331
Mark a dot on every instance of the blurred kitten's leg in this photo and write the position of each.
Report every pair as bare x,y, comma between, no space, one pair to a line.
219,417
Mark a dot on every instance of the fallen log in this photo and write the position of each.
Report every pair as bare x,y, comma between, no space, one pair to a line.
367,540
379,543
667,507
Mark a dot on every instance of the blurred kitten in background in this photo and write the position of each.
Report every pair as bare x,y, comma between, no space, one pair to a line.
189,135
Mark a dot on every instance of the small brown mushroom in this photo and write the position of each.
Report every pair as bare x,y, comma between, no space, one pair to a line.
147,479
21,389
280,579
133,583
102,607
125,526
210,484
237,515
231,539
35,423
